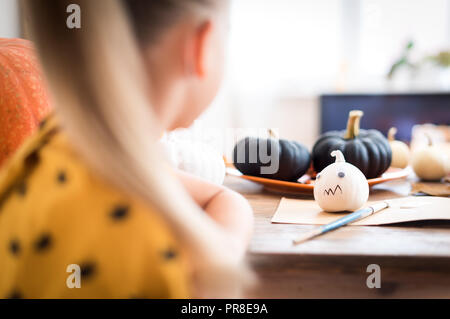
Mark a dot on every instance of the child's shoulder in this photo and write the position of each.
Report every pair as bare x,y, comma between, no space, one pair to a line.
47,172
47,191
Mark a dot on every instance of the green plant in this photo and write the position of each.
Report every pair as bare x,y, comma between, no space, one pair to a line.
403,61
442,59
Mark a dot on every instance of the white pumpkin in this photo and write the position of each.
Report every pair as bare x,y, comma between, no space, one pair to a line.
431,162
400,151
196,158
340,186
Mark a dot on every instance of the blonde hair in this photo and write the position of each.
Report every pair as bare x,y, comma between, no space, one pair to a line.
99,88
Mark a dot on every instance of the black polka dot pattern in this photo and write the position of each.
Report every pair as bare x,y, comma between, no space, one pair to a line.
62,177
14,295
120,212
27,255
32,159
22,189
169,254
43,243
14,247
88,269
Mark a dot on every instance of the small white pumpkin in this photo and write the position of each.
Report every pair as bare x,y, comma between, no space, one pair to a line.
194,157
431,162
400,151
341,186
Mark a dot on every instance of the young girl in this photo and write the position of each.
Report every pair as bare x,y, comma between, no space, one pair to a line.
88,208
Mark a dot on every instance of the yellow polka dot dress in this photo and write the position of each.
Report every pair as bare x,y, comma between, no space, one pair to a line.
64,233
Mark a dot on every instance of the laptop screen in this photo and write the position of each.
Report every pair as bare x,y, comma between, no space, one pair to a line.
383,111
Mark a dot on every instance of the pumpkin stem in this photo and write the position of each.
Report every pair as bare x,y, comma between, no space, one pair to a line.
339,156
391,134
354,118
272,133
429,139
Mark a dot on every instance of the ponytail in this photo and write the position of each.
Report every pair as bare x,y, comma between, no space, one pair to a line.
100,91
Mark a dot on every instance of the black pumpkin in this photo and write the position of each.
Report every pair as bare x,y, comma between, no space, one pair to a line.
368,150
271,158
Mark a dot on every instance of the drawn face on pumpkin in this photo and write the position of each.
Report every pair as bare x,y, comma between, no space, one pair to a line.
340,186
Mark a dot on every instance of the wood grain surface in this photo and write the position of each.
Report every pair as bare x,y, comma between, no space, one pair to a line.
414,258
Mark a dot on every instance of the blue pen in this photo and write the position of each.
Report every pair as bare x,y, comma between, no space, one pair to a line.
356,215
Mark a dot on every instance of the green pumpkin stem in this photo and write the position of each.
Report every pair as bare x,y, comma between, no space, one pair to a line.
354,118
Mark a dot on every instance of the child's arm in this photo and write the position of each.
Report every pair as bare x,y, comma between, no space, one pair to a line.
225,206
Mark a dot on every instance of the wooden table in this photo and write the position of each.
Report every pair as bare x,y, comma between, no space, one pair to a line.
414,258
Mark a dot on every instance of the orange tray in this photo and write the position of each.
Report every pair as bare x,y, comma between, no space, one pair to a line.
306,184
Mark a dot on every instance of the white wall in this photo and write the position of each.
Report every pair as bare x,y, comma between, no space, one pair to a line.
9,19
284,53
